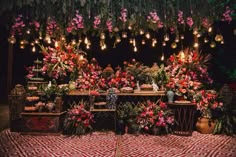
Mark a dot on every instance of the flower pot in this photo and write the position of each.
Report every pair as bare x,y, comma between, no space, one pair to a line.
205,125
170,95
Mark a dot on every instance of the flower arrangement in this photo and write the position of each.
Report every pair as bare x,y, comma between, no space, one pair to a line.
207,102
59,61
155,115
78,120
188,73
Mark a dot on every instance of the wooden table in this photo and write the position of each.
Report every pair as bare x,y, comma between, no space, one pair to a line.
184,117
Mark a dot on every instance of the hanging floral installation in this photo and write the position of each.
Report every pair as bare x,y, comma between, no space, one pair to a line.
77,19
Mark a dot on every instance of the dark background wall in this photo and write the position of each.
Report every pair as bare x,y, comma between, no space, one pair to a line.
223,55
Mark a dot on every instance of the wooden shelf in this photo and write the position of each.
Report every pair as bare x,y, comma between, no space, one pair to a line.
102,110
42,113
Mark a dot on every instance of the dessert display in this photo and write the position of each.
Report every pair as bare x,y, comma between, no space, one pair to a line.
146,87
127,90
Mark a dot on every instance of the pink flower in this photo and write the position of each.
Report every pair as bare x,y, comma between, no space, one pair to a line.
109,25
96,22
189,21
227,15
123,16
180,17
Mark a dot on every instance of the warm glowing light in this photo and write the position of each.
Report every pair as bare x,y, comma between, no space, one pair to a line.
195,45
129,27
22,46
130,40
222,42
195,31
148,36
33,49
87,46
135,49
213,44
206,40
12,40
28,31
182,55
73,42
166,37
36,41
48,39
199,35
118,39
22,42
177,39
162,57
141,32
124,34
81,57
134,42
63,38
173,45
32,43
218,38
143,42
40,37
163,43
154,41
182,37
102,36
210,29
56,44
86,40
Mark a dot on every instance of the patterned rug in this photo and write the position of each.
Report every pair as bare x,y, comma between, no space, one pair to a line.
108,144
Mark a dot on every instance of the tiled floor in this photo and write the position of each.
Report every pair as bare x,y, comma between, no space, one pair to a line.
4,116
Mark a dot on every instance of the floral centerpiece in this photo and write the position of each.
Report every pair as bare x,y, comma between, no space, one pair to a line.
155,116
188,73
78,120
59,61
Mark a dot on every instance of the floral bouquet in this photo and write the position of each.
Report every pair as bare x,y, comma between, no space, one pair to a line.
78,120
155,116
207,102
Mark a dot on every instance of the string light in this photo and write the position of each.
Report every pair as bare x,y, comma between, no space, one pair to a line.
28,31
182,37
129,27
148,36
36,41
12,40
166,37
134,42
162,57
182,55
22,42
163,43
135,49
141,32
118,39
130,40
210,29
173,45
177,38
222,42
195,31
86,40
22,46
33,49
32,43
124,34
196,45
73,42
87,46
154,41
63,38
213,44
218,38
143,42
206,40
56,44
199,35
102,36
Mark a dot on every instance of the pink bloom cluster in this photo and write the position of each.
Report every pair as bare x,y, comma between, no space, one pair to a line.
57,62
180,17
96,22
80,117
207,101
206,23
109,25
189,21
154,115
76,23
227,15
18,25
123,16
36,25
51,27
153,17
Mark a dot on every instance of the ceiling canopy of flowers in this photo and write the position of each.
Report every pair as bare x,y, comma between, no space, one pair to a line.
54,18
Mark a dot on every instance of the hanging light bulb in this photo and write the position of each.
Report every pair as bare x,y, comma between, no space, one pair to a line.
12,39
222,42
148,36
196,45
199,35
33,49
102,36
40,37
173,45
86,40
163,43
218,37
56,44
162,57
182,37
195,31
141,32
131,41
134,42
210,29
32,43
22,42
36,41
206,40
129,27
154,41
143,42
48,39
22,46
124,35
118,39
166,37
63,38
28,31
213,44
177,38
135,49
87,46
73,42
